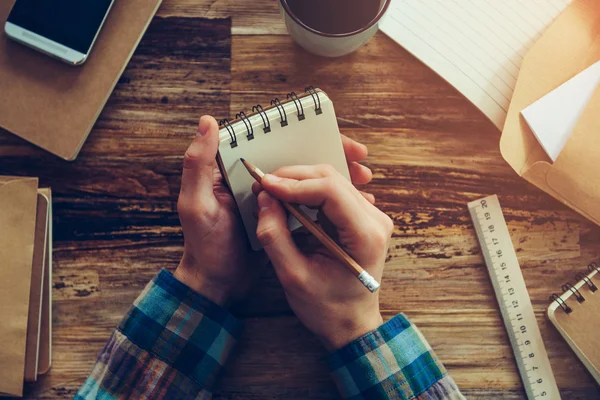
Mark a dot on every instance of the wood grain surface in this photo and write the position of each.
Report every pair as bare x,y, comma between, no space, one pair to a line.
431,153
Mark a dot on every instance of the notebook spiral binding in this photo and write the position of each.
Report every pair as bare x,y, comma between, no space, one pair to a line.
581,277
283,118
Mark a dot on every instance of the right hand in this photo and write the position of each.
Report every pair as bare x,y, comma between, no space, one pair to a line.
326,297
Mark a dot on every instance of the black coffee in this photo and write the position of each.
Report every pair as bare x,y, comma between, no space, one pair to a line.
335,16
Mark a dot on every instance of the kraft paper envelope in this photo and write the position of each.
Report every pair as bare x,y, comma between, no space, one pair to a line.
570,45
18,204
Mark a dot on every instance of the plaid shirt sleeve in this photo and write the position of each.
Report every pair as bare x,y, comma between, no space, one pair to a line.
170,345
393,362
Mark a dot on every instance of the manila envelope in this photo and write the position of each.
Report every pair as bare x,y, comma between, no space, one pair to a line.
18,204
570,45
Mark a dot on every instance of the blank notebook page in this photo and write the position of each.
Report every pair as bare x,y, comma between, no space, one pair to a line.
476,45
315,140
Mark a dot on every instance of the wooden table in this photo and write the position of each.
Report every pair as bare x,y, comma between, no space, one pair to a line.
430,150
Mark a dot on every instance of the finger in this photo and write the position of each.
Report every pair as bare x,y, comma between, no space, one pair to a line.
369,197
256,188
199,164
354,151
275,237
338,199
301,172
359,174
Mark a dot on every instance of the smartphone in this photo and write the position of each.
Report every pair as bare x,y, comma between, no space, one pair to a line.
64,29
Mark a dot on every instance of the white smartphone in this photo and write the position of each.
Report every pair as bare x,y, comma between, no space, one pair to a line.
64,29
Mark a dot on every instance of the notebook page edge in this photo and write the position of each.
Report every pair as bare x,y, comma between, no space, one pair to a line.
32,359
43,369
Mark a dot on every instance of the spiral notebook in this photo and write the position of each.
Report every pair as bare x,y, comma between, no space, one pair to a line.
302,130
576,315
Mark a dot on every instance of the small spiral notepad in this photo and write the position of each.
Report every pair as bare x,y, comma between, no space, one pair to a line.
576,315
302,130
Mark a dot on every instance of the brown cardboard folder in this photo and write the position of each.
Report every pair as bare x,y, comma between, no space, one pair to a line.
570,45
25,278
54,105
18,202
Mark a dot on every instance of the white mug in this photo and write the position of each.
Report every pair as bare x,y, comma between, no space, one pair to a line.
330,44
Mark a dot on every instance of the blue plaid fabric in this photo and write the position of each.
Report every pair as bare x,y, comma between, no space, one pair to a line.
170,345
392,362
173,342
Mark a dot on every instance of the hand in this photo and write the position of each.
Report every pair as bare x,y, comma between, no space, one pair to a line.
217,260
326,297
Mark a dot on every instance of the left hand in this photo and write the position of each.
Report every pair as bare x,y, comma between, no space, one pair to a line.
217,261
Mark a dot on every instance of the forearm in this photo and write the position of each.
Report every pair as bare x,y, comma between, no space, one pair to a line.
393,362
171,344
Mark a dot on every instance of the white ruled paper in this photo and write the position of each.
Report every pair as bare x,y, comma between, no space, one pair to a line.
476,45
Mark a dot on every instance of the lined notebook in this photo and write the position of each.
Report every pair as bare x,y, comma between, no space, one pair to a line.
302,130
576,315
476,45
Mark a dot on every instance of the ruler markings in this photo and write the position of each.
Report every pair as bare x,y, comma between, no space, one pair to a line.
513,299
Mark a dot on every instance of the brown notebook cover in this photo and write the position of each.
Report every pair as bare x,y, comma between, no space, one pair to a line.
18,202
54,105
576,315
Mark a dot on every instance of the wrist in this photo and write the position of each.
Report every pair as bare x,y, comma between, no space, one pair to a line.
190,274
348,331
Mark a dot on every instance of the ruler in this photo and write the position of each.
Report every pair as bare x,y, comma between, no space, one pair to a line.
513,299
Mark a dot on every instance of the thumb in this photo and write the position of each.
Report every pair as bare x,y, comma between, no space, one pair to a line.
275,237
199,165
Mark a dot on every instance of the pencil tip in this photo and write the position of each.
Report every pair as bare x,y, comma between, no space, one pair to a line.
242,160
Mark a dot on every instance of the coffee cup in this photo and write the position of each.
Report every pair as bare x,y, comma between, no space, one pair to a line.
327,28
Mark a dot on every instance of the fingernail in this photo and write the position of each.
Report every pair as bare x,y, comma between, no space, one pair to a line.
273,178
264,201
203,128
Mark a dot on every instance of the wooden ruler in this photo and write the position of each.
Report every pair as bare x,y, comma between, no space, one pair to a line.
513,299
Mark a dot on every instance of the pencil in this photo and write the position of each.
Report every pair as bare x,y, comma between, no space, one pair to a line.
366,279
